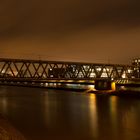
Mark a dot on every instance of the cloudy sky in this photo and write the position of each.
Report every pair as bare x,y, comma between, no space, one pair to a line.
105,31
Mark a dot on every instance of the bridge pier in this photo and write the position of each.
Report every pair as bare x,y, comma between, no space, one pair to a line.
104,85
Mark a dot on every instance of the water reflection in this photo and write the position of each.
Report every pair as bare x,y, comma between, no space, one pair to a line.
52,114
67,113
93,115
127,113
4,104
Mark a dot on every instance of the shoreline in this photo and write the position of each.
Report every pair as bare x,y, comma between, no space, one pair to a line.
8,131
119,93
125,93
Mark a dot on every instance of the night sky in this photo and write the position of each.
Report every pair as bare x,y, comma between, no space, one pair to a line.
104,31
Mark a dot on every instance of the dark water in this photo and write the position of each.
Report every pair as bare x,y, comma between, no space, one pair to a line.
42,114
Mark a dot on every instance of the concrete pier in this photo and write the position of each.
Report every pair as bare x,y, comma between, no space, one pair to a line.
103,85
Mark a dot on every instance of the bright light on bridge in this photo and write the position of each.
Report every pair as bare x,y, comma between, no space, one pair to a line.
91,87
92,74
99,69
129,70
124,75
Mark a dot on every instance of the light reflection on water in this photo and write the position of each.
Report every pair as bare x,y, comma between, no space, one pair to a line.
93,116
42,114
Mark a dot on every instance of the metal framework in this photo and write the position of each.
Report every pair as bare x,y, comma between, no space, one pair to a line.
45,70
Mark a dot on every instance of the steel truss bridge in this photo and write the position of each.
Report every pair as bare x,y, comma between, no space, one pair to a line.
31,72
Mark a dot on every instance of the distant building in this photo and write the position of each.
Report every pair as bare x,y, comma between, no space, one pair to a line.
136,63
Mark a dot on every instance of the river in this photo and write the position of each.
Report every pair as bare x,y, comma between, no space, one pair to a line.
42,114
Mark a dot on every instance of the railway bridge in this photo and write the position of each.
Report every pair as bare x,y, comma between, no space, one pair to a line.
41,73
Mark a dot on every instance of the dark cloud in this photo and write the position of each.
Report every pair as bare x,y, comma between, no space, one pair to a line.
42,16
56,29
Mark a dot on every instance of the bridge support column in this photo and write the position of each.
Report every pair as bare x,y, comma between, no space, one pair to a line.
104,85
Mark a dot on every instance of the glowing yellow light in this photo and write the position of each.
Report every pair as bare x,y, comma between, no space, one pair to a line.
92,81
81,81
107,69
99,69
69,80
46,84
124,75
91,87
92,98
129,70
62,80
92,74
93,114
113,86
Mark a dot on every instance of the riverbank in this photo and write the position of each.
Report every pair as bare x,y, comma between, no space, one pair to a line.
123,93
48,87
7,131
120,93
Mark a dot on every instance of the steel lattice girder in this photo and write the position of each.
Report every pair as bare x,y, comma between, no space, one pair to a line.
38,69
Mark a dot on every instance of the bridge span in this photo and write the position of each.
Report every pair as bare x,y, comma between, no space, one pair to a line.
32,72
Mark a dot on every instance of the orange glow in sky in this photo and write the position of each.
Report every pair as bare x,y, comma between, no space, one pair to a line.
73,30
